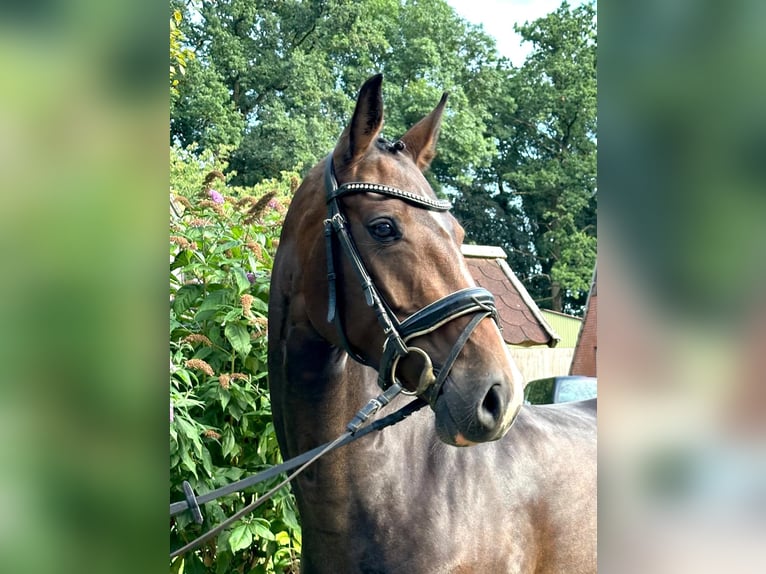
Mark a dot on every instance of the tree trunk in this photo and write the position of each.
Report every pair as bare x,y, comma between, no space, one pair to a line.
556,297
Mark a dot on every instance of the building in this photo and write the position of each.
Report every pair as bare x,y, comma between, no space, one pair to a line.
534,344
584,359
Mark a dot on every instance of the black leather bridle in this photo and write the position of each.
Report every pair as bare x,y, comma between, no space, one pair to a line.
474,301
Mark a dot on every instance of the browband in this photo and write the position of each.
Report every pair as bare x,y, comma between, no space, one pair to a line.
335,191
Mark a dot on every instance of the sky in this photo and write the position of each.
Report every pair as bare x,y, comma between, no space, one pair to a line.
499,16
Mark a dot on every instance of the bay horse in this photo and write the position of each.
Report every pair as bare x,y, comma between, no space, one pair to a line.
369,289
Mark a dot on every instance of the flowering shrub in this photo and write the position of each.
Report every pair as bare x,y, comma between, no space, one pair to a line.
222,243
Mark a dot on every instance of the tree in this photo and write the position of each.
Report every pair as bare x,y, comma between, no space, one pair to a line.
277,81
179,56
538,198
271,85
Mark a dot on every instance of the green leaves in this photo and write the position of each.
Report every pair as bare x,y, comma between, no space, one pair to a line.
239,338
221,415
243,283
262,529
241,537
185,297
212,304
537,199
277,83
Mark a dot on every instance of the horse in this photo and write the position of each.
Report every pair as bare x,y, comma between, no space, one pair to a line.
370,290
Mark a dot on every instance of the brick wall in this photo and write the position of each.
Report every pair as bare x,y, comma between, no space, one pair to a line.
584,359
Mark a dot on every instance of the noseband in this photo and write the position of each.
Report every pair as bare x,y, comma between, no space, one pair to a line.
471,301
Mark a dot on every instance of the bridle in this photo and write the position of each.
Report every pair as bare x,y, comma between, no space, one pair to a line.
474,301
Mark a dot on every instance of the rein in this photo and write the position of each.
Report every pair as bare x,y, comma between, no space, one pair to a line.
355,429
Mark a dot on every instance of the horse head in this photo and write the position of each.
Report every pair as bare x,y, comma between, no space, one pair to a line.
398,295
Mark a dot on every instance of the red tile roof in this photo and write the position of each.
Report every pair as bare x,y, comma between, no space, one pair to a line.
522,322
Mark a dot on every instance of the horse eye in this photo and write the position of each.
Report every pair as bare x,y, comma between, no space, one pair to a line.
383,230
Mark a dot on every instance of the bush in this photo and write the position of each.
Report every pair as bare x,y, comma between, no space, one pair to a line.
222,243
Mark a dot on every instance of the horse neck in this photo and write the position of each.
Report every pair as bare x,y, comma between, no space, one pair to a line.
316,388
322,389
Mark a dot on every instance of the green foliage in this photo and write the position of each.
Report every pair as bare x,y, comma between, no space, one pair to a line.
201,112
290,70
276,81
222,243
556,175
180,56
538,197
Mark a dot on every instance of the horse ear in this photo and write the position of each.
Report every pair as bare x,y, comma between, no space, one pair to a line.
421,138
365,125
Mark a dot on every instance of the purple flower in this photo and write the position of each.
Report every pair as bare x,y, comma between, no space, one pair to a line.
215,196
251,277
273,204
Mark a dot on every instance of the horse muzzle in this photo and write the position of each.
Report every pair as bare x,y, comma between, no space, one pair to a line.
482,413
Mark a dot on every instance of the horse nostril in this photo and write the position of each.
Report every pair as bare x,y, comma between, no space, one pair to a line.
491,408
